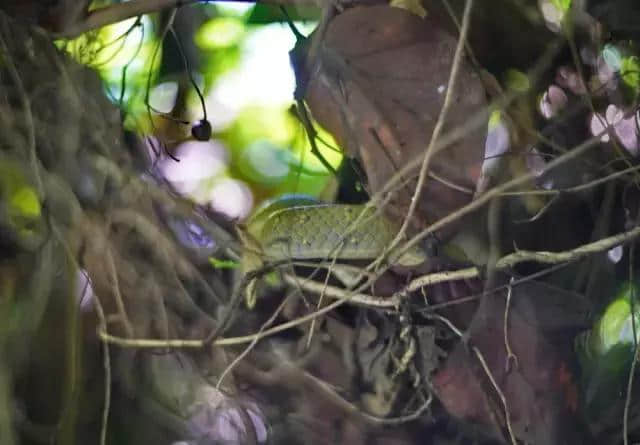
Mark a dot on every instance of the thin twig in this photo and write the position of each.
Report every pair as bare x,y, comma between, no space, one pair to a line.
336,292
444,111
503,399
152,343
511,357
248,349
496,191
576,188
521,256
320,299
106,362
487,371
353,409
303,115
116,292
469,298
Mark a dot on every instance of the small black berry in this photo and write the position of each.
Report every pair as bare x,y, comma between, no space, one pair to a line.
201,130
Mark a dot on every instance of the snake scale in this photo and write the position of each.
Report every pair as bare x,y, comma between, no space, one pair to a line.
300,228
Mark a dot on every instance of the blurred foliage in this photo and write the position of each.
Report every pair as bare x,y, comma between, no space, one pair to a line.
220,32
268,146
262,14
516,80
20,209
606,351
623,59
630,71
223,264
614,327
220,40
562,5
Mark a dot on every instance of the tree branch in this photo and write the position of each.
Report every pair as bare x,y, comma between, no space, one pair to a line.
109,15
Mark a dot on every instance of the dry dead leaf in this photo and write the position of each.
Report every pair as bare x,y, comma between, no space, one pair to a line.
378,87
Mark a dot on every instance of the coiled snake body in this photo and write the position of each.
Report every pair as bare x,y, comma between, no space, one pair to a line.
300,228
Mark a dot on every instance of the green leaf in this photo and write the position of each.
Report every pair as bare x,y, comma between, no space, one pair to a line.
630,71
615,326
220,32
24,202
495,118
263,14
516,80
562,5
612,323
223,264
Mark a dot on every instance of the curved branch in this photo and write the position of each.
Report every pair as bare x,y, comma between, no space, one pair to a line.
122,11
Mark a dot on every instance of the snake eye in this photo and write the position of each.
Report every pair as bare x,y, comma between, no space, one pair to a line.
201,130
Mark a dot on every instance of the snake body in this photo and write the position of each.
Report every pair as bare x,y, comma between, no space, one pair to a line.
299,228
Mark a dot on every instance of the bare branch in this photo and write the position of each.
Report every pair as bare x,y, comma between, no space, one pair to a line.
122,11
522,256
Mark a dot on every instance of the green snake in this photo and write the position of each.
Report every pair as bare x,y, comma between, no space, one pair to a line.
294,227
300,228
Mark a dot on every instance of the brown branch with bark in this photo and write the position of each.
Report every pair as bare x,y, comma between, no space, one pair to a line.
109,15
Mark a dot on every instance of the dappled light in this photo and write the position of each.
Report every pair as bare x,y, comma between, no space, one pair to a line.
232,198
163,96
198,166
554,12
292,222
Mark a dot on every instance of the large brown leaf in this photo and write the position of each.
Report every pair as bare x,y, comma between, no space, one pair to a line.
378,84
538,385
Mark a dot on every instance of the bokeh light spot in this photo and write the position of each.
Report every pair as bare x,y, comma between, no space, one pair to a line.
163,96
219,32
199,164
552,101
232,198
266,163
